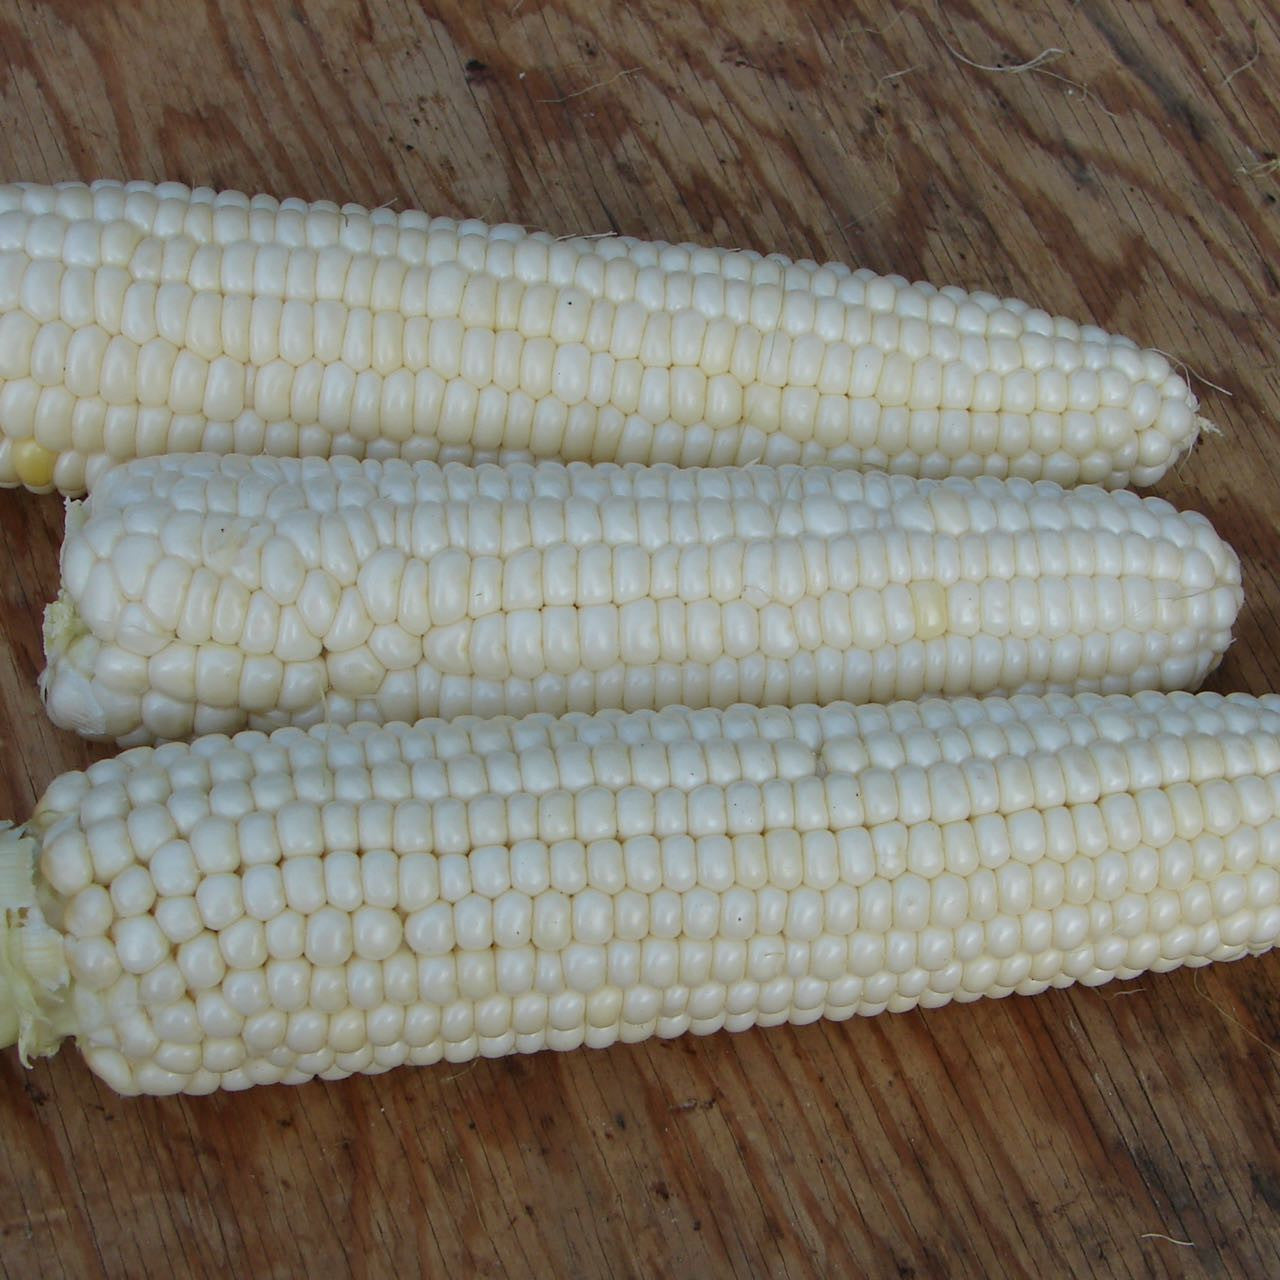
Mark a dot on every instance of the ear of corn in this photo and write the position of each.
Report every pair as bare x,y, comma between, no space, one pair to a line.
273,908
138,319
205,594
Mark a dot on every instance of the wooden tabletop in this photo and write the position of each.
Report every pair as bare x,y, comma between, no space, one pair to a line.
1105,160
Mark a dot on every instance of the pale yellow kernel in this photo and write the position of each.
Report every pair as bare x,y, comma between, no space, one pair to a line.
33,464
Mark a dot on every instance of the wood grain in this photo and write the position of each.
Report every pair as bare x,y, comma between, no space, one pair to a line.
1131,179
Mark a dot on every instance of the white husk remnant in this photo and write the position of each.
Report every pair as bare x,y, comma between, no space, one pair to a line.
62,625
70,698
33,970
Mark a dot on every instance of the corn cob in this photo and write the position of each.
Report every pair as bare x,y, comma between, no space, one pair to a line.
138,319
272,908
207,594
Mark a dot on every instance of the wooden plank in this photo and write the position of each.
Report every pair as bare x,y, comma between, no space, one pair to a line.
1130,179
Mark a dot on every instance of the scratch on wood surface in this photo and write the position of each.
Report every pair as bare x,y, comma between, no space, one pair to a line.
897,75
1231,1017
1250,60
1032,64
1160,1235
591,88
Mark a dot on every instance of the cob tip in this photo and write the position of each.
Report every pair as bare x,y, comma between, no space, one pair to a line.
34,979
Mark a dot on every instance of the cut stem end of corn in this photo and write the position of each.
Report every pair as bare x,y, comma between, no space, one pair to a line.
34,1013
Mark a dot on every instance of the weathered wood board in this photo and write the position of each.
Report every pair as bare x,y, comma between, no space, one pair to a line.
1106,160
